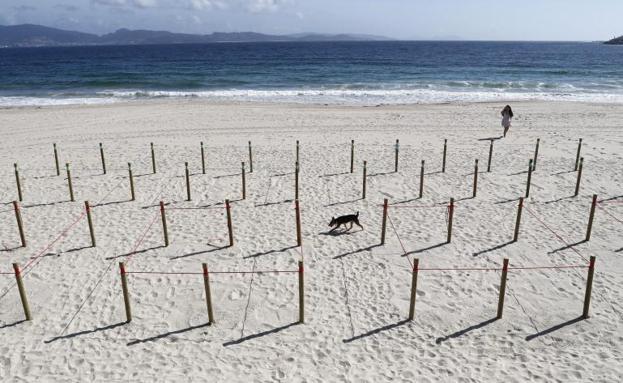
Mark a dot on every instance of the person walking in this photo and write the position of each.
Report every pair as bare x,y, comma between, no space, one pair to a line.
507,115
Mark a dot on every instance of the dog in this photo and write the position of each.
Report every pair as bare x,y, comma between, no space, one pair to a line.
344,220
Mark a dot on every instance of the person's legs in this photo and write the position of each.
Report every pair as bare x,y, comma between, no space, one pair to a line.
505,130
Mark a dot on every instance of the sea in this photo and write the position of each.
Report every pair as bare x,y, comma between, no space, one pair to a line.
353,73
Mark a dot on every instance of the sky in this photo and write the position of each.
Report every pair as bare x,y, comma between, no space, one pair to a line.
575,20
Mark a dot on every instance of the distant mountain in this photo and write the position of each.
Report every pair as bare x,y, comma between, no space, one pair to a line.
615,41
28,35
37,35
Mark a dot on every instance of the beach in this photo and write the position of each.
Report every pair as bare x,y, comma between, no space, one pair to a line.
357,291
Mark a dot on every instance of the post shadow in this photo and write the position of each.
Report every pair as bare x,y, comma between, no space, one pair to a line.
554,328
465,330
494,248
568,246
260,334
273,251
167,334
85,332
361,250
425,249
376,331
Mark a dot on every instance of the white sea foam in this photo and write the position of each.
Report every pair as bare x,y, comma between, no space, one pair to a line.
329,96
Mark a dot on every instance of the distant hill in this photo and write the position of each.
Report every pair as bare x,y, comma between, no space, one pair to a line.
29,35
615,41
37,35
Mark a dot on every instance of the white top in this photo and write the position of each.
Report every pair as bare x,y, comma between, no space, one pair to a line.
506,120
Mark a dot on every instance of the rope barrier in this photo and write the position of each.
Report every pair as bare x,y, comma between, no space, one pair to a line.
417,206
553,232
196,208
510,268
405,253
608,213
212,272
612,202
142,238
62,234
549,267
32,263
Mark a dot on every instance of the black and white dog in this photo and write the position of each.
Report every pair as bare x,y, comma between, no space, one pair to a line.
344,220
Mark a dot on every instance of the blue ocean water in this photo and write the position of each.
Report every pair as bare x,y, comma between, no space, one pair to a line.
322,72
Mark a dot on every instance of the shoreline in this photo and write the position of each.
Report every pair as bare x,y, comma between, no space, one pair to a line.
289,104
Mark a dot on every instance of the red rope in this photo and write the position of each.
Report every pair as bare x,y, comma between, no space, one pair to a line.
196,208
399,240
62,234
461,269
608,213
416,206
212,272
142,238
510,268
549,267
555,234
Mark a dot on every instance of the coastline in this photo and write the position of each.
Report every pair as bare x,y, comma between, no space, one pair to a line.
193,101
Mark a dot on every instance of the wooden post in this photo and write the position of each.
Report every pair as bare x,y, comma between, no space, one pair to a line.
153,158
132,195
422,179
20,225
450,219
71,187
384,224
126,294
518,221
475,189
18,183
103,159
301,293
490,157
230,229
577,156
536,154
591,217
206,284
250,158
365,176
445,151
244,182
529,182
165,232
414,273
352,156
58,168
396,159
87,207
297,151
187,181
589,287
296,180
22,291
579,180
297,208
502,289
203,160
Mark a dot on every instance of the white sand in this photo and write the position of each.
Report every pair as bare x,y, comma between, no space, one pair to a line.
357,295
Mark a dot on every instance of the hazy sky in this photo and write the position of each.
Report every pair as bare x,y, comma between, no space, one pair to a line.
404,19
